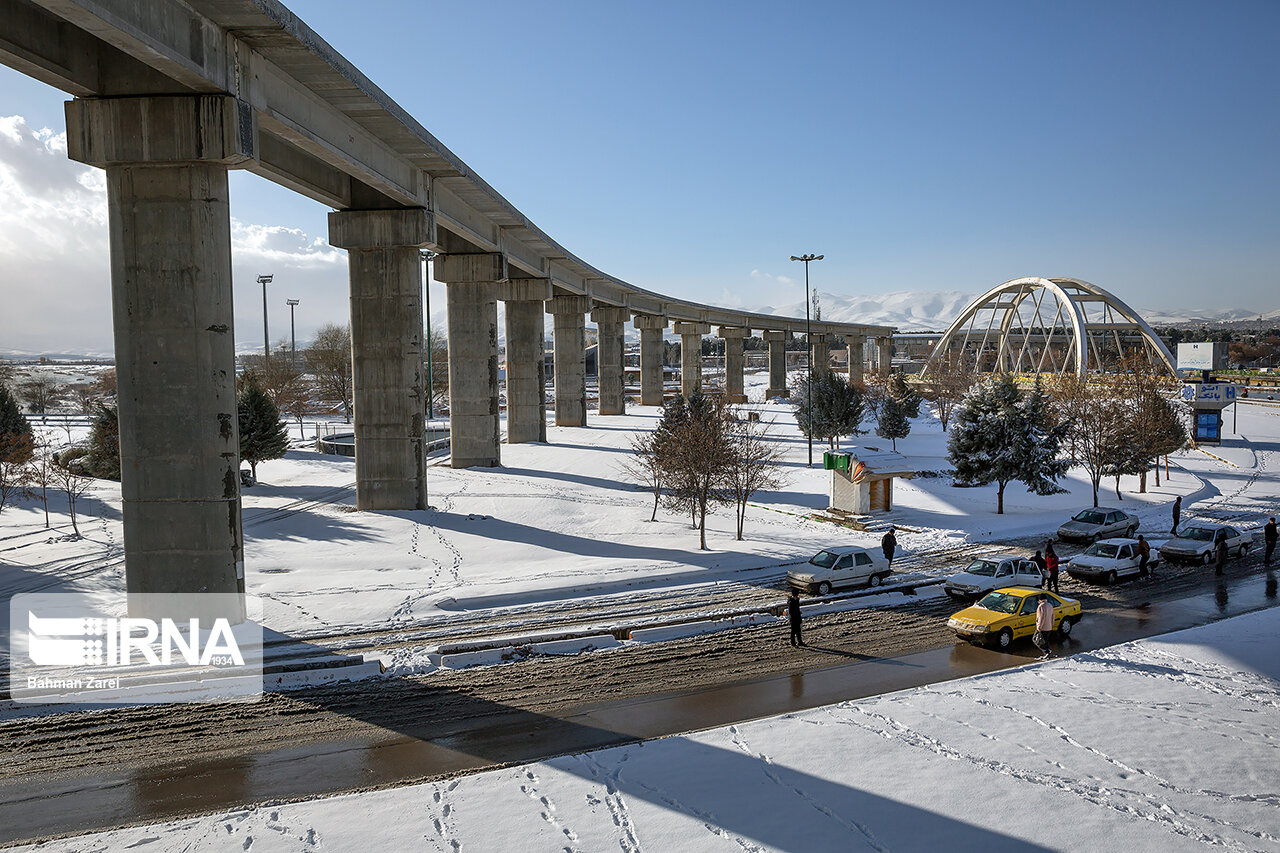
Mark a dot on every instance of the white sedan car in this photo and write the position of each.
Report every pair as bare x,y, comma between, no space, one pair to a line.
987,573
1197,540
1108,560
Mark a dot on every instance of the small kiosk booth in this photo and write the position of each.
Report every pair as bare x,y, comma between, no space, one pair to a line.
1207,399
862,481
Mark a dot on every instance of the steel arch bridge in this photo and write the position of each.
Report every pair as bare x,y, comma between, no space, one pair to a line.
1049,325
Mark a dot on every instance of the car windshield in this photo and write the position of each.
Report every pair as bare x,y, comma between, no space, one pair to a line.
1000,602
985,568
1089,516
824,559
1102,550
1199,534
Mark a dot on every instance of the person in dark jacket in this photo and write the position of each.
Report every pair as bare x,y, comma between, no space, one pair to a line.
1043,568
1144,554
793,616
1221,553
889,544
1051,563
1177,513
1269,537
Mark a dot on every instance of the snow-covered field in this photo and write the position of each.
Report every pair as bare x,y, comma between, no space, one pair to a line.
1161,744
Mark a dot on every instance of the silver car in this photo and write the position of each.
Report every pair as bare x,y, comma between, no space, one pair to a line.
1197,541
1108,561
1104,522
987,573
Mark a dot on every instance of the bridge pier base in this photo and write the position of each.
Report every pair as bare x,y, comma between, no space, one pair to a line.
691,356
570,368
166,160
650,327
856,356
734,362
819,356
609,366
885,355
777,342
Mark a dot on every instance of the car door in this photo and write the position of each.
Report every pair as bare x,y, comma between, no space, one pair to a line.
1236,540
1026,619
1028,573
1112,526
863,566
1003,576
1124,559
842,573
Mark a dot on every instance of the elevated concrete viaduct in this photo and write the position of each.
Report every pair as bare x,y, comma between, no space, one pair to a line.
169,95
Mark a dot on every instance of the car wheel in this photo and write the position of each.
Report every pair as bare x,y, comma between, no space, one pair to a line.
1112,577
1004,639
824,588
1244,549
1064,627
1128,534
875,580
1208,558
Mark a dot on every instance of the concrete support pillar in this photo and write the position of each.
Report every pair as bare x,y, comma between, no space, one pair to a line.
885,355
609,368
857,347
777,342
526,371
387,352
820,356
733,362
166,161
691,356
570,369
650,327
475,437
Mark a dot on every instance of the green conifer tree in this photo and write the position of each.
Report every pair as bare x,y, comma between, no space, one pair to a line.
892,423
263,435
16,441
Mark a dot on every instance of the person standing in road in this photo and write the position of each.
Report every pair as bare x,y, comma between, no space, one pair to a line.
1220,554
889,544
1269,537
1044,624
1043,568
1177,513
1051,563
793,616
1144,554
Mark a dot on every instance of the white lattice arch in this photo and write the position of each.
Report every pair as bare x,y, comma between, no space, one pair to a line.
1032,321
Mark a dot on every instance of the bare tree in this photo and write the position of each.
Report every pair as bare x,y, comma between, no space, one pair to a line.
40,476
329,361
40,393
946,386
439,374
696,451
645,465
1095,423
15,473
71,480
755,465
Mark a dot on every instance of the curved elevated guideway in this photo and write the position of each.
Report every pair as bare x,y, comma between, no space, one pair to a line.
1049,325
169,95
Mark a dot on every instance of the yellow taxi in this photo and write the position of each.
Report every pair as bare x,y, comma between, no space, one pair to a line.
1002,616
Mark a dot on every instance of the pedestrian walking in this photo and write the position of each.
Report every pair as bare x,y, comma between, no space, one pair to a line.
1221,553
1051,563
1043,568
1044,624
1177,513
889,544
1269,537
793,616
1144,554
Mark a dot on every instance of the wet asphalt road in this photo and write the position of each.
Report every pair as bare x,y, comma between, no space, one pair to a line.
97,771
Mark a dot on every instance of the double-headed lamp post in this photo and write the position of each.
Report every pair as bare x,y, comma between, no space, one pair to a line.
264,280
426,292
293,336
808,345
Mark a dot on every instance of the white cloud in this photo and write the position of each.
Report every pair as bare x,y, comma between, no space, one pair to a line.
780,279
54,260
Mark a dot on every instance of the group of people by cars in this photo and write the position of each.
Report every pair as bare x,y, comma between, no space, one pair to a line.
1015,596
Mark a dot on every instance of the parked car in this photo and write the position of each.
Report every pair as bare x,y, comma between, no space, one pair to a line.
1002,616
1109,560
833,568
1104,522
1196,541
987,573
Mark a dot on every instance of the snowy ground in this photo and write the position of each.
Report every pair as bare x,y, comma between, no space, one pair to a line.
1161,744
561,521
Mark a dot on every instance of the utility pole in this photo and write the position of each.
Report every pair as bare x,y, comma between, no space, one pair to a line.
293,337
808,335
264,280
426,291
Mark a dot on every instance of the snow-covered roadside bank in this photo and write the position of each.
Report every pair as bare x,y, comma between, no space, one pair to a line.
1166,743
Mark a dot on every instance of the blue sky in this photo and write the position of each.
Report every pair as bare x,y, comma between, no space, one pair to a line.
917,145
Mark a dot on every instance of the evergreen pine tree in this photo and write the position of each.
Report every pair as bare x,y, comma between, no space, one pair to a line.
262,434
837,408
904,395
893,423
16,441
103,459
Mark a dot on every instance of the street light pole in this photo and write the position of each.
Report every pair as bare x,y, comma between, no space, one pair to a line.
293,337
808,346
264,280
426,291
